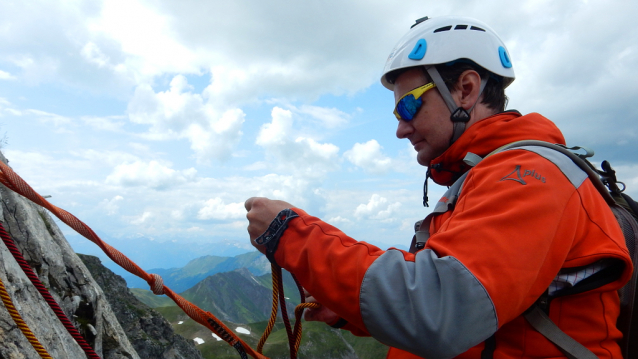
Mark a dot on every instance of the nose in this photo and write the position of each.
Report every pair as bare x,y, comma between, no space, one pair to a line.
404,129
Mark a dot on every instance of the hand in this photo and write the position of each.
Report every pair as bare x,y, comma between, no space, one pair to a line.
321,314
261,212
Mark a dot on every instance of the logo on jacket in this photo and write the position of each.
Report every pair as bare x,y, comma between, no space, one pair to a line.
516,175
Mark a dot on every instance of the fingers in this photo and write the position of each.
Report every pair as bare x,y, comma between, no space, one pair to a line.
261,212
249,203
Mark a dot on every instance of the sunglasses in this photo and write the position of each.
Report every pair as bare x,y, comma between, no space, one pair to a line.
410,103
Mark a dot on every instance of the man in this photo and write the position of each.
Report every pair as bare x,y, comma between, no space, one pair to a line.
526,224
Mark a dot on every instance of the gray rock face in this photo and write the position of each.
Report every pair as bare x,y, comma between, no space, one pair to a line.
71,284
151,335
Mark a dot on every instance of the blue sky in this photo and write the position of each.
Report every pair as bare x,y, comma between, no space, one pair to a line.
153,121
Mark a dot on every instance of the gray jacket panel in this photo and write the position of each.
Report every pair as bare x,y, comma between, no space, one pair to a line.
424,307
571,170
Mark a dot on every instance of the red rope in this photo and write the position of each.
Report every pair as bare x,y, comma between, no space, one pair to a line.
8,241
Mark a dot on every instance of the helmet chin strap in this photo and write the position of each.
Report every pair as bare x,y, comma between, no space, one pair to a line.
459,116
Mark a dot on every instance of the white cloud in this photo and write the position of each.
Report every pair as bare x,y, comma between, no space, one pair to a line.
368,156
92,53
111,158
215,208
338,220
628,174
377,208
48,117
146,37
179,113
329,117
296,154
6,76
110,123
143,218
149,174
5,106
111,205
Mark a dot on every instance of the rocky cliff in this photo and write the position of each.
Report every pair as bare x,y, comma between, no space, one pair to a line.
147,330
71,284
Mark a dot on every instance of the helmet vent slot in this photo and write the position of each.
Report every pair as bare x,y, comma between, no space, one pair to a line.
460,27
444,28
476,28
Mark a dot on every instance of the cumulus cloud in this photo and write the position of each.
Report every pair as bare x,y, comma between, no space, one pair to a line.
215,208
92,53
111,206
127,43
180,113
6,76
328,117
142,218
576,69
377,208
296,153
149,174
368,156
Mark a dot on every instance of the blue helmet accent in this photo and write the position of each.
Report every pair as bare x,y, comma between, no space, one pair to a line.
419,50
505,60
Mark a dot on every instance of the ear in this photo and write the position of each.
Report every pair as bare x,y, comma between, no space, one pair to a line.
467,88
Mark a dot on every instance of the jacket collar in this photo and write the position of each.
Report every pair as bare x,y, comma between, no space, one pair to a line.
487,135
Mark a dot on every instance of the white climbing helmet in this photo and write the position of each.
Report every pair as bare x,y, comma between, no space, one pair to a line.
447,38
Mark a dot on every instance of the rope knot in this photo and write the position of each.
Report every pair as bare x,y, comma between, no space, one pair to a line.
157,284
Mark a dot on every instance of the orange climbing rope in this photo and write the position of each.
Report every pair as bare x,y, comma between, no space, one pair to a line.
14,182
10,179
8,303
294,335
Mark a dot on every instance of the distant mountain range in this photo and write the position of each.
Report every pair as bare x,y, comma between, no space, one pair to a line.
181,279
149,253
238,290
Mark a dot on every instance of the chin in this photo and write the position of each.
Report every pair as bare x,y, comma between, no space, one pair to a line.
423,160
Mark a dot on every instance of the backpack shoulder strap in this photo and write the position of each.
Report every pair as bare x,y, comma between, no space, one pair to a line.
540,321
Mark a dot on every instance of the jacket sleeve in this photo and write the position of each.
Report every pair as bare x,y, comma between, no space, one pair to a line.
397,297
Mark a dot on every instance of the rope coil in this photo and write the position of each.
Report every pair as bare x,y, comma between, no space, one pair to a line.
294,335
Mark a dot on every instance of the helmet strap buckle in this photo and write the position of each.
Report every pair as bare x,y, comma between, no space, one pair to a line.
460,115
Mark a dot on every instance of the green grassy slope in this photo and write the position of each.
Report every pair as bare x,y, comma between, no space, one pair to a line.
147,297
318,340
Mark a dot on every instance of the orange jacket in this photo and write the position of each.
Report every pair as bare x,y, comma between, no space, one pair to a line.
485,262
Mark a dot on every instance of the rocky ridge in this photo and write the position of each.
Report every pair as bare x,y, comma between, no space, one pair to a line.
71,284
147,330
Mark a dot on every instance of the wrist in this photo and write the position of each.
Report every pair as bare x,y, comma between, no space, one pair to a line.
270,238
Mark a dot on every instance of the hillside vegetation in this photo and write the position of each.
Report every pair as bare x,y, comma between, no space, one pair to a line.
319,341
243,300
